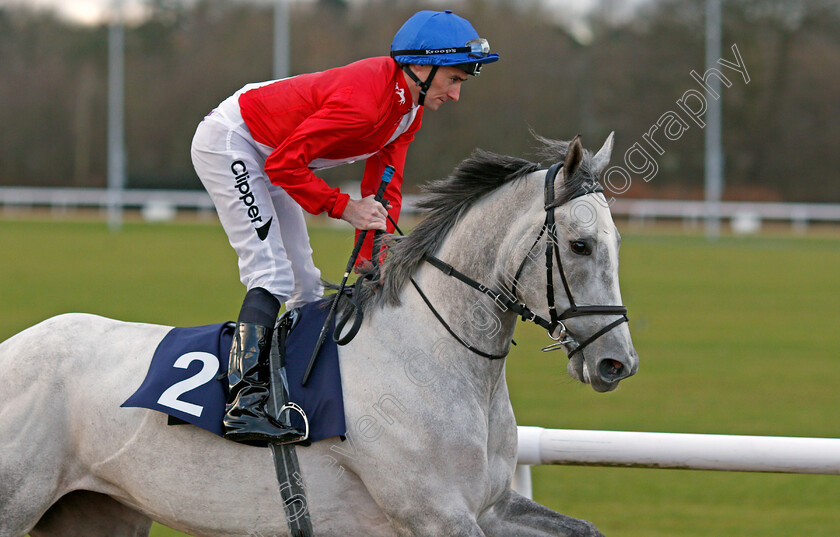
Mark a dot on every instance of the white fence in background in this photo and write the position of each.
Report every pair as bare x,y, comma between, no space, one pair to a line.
538,445
71,198
744,216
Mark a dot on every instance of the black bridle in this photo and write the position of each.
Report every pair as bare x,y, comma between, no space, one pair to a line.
507,300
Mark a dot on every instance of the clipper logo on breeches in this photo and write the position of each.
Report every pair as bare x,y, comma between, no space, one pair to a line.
241,176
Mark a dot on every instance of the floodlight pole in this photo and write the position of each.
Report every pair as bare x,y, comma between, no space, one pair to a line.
116,127
281,38
714,151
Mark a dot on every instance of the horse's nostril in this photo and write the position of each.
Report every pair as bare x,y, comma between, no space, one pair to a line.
610,370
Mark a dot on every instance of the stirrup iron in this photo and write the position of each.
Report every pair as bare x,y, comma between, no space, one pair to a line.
294,406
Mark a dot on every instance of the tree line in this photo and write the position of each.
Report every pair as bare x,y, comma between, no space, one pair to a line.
638,72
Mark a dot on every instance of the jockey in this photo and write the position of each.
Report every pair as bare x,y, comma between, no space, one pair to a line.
256,152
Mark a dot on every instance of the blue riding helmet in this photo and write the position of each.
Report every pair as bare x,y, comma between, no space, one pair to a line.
441,38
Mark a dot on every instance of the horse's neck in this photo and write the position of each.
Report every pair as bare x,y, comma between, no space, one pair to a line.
473,247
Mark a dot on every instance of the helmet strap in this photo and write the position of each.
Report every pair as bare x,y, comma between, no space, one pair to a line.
424,85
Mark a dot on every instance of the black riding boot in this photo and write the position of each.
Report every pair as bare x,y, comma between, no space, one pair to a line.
249,377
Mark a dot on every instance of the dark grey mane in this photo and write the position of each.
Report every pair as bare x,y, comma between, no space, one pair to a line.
445,200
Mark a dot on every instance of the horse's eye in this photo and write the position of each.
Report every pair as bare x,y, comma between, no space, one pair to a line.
580,247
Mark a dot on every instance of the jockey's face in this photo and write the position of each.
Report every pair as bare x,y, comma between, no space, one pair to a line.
446,86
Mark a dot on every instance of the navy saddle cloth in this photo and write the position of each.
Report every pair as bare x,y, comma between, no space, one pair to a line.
187,380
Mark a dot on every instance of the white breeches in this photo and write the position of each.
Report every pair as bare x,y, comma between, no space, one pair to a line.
264,224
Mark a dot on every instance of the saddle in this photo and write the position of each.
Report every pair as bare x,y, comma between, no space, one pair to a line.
186,376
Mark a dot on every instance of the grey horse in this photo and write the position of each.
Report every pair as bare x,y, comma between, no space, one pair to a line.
432,441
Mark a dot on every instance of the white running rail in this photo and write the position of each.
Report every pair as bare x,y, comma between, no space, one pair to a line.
798,455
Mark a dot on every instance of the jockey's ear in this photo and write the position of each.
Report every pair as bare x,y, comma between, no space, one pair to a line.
574,157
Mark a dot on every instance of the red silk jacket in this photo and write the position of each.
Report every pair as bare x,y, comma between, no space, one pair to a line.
319,120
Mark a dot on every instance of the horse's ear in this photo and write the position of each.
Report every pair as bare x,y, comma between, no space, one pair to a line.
574,157
602,158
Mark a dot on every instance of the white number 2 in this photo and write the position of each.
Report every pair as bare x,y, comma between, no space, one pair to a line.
208,371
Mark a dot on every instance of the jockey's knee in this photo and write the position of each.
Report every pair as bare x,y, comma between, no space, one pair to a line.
308,289
288,287
278,281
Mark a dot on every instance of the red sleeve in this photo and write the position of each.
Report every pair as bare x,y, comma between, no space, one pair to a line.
393,154
326,129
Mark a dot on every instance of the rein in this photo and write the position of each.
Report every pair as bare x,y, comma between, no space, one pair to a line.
505,302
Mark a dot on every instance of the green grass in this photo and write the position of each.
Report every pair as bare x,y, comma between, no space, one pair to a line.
737,336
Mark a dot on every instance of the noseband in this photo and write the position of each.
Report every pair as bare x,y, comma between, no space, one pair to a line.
507,299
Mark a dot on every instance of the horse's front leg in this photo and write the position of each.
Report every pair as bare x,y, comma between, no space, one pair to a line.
516,515
425,487
420,501
451,525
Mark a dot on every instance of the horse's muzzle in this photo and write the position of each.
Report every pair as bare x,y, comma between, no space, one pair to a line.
606,374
